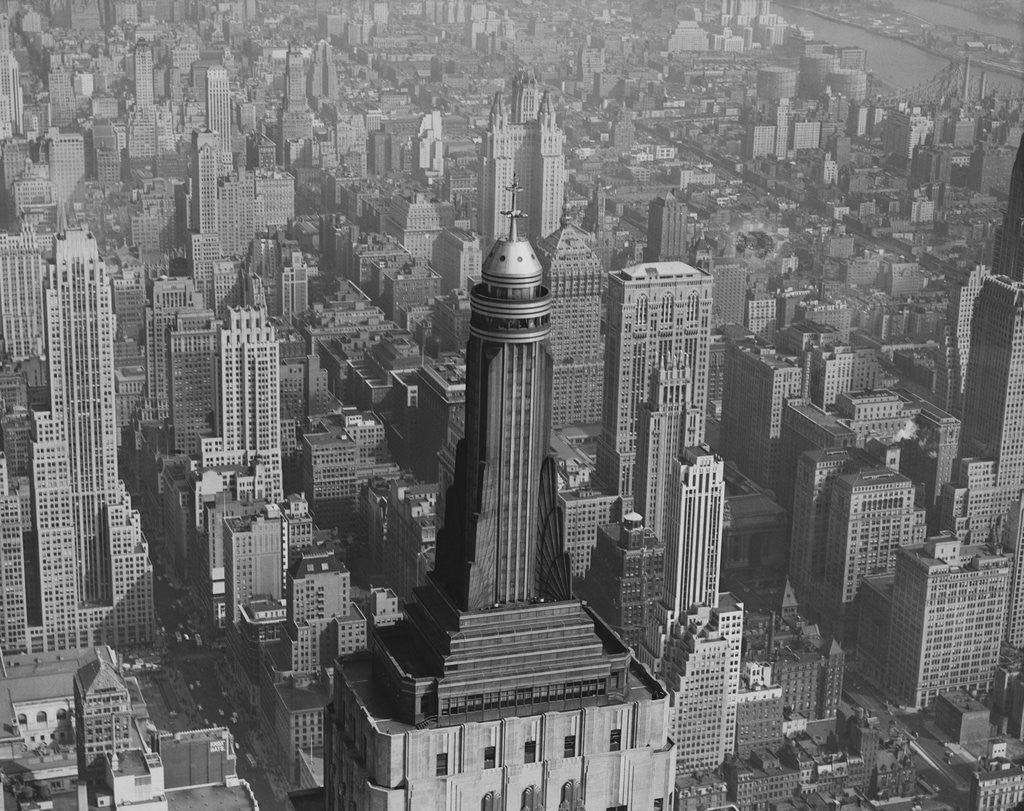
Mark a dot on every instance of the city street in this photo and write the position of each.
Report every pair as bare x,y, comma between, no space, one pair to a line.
194,685
952,780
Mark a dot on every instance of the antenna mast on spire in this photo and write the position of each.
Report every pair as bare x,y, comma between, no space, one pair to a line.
512,212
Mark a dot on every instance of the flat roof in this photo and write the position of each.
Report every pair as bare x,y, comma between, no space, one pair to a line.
661,270
206,797
298,699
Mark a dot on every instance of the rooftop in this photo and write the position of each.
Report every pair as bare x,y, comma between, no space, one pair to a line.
43,676
660,270
301,699
236,798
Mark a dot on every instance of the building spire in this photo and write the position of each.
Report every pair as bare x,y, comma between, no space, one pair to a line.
514,214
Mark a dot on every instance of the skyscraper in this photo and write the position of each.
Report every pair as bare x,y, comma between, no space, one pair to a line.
167,297
661,431
11,97
63,105
324,80
953,364
993,404
656,312
295,81
948,602
1008,248
13,618
756,384
572,272
22,271
91,559
668,230
218,106
249,411
696,512
872,514
527,144
695,634
66,156
506,686
203,173
142,58
193,350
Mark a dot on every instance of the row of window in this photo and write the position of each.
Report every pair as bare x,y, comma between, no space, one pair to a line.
530,752
523,696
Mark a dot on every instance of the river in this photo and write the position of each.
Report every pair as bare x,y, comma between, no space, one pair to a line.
961,18
896,63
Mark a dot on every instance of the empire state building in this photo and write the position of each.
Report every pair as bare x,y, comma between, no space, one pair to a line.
498,690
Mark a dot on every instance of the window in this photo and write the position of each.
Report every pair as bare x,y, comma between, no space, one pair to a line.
530,752
487,803
41,717
489,755
615,740
569,747
442,764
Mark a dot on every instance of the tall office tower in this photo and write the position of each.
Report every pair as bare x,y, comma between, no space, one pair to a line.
526,97
655,313
167,298
5,34
701,667
783,125
323,83
695,513
871,515
457,259
626,577
514,690
95,578
572,272
66,156
954,361
218,107
815,473
203,256
63,106
1008,248
203,173
1013,542
695,634
12,99
755,387
142,61
669,233
948,605
526,144
902,131
661,428
295,81
249,412
22,271
993,405
13,616
255,556
193,351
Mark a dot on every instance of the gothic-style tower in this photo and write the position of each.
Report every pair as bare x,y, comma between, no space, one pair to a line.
524,141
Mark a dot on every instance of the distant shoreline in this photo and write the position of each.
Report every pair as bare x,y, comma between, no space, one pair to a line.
997,67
